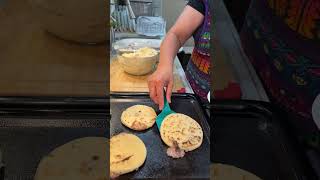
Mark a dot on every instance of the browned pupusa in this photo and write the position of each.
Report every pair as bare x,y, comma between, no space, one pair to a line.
127,153
80,161
138,117
183,130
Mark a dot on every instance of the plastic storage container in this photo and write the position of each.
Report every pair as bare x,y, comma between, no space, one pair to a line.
151,26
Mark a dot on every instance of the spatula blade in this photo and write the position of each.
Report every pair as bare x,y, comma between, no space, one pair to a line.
164,113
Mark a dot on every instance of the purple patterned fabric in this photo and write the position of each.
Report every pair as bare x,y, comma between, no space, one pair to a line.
198,68
282,40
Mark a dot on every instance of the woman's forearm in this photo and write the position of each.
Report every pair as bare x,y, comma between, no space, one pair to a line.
178,35
169,49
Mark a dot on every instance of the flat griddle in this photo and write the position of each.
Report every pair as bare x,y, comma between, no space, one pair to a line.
250,136
31,127
195,164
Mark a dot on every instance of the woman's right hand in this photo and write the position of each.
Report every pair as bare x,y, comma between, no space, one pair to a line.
162,77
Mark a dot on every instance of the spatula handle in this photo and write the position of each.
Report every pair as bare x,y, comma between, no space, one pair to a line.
164,96
165,101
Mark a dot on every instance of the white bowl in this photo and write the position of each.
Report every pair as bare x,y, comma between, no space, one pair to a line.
135,43
138,65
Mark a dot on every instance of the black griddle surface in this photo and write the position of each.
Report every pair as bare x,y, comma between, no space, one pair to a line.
249,135
23,148
31,127
195,164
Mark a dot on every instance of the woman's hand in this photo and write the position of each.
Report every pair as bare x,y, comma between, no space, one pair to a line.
162,77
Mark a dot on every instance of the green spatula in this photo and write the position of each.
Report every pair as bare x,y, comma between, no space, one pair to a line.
165,111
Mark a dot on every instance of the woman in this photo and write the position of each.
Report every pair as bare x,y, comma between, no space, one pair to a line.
194,20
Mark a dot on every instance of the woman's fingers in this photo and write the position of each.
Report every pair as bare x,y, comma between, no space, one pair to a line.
159,89
152,91
156,83
169,91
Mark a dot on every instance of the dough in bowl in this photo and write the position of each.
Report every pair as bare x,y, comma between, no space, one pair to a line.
127,153
139,117
142,52
226,172
82,159
182,130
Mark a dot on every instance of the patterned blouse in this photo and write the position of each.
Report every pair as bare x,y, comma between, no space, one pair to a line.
282,40
198,68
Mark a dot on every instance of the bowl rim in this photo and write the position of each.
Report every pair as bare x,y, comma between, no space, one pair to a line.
139,57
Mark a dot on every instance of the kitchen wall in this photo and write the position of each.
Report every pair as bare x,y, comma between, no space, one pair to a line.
156,7
171,10
2,2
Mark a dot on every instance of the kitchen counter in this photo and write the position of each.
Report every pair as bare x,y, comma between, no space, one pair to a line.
123,82
34,62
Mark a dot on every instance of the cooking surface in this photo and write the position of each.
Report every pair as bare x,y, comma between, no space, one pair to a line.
34,62
249,136
36,143
195,164
31,127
